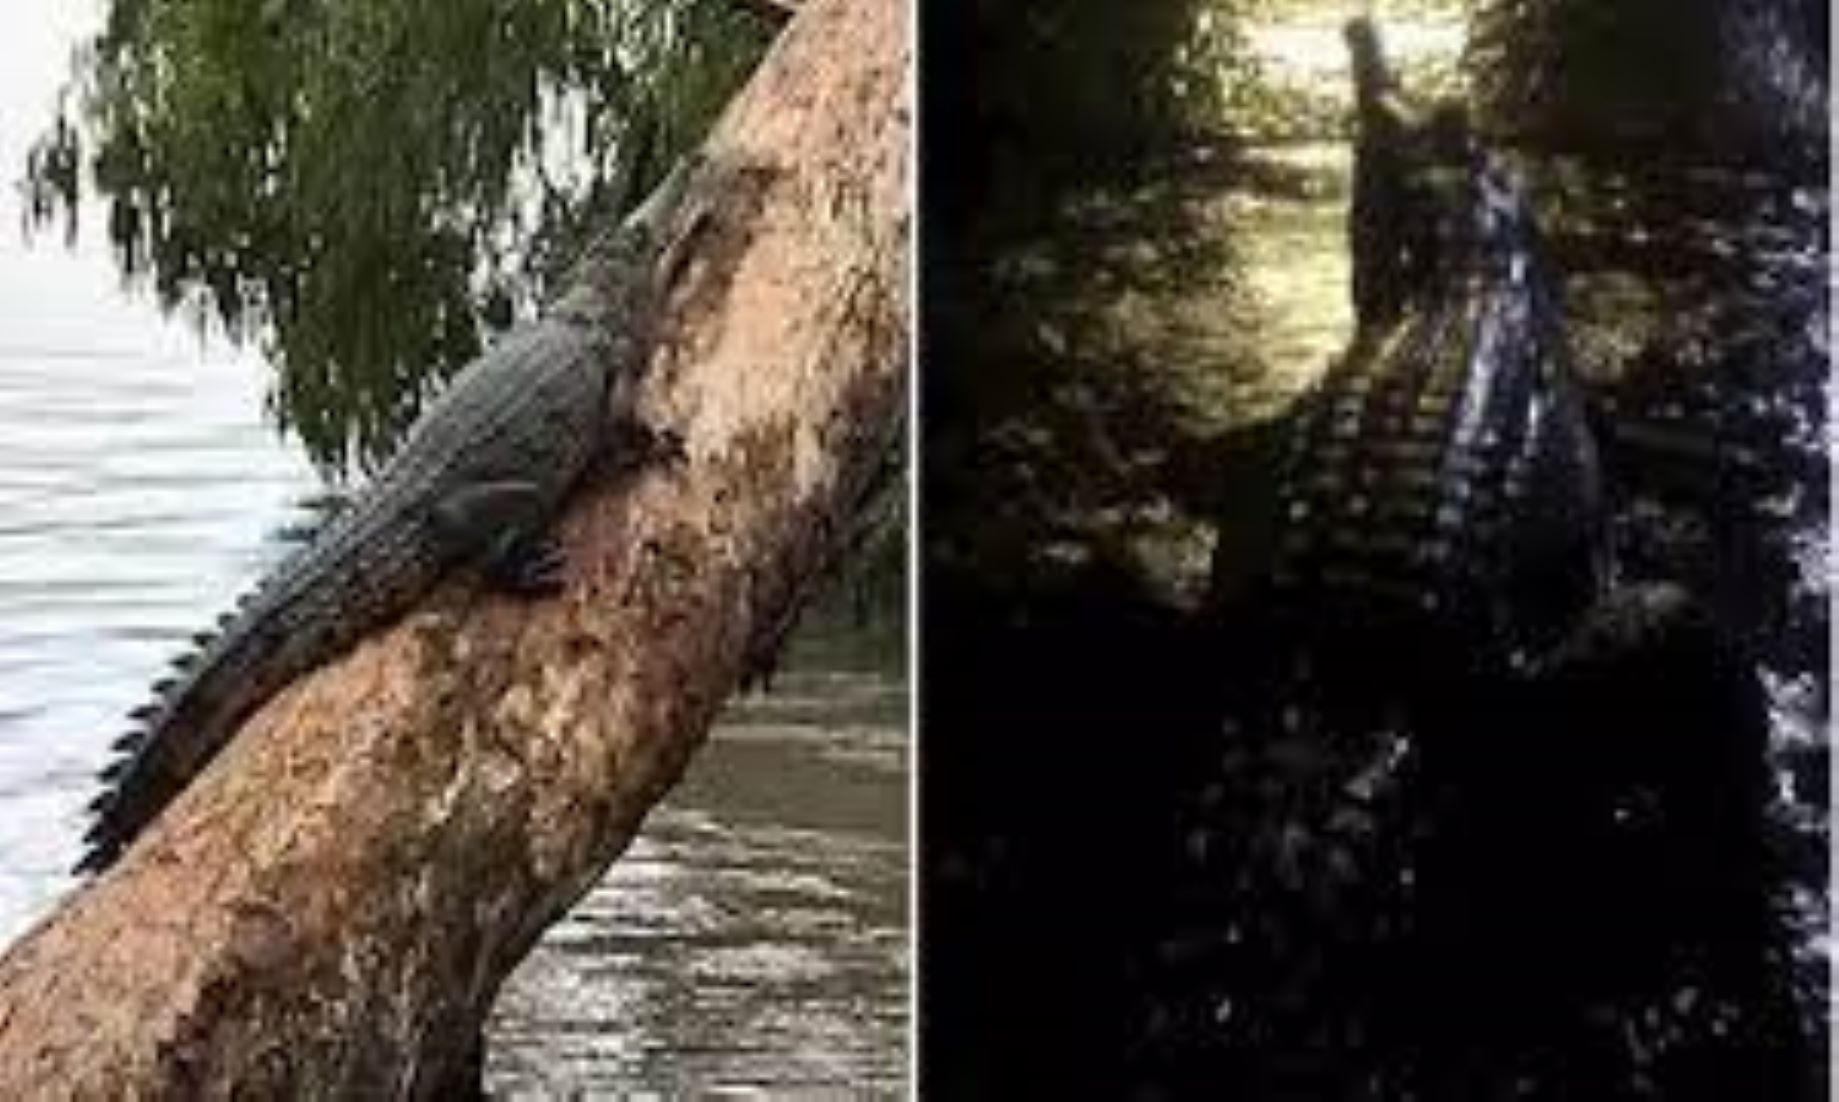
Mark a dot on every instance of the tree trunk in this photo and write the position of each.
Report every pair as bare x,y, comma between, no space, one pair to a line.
330,909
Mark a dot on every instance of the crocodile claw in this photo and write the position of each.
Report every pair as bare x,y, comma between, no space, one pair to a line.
632,445
537,569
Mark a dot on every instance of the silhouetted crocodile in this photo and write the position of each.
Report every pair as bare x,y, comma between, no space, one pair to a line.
1438,508
475,485
1466,791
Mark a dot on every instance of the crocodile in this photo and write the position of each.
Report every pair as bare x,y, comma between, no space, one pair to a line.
1440,484
1449,724
474,487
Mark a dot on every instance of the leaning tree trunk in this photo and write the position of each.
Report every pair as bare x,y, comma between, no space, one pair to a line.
331,907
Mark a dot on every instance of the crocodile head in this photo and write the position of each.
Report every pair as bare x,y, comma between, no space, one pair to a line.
616,279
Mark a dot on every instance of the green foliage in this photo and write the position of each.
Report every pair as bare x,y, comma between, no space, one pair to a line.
1743,81
1569,61
363,186
1054,95
1058,136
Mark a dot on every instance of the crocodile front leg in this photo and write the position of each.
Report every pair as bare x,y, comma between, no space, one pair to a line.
502,528
629,444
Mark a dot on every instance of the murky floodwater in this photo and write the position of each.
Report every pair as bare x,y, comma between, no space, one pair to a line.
755,933
754,937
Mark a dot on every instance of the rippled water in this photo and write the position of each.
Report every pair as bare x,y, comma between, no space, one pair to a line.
754,934
137,483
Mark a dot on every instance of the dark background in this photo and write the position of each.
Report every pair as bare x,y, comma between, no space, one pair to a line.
1100,912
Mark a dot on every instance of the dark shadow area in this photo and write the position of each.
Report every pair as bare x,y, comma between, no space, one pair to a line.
1155,863
1052,669
1044,822
1743,82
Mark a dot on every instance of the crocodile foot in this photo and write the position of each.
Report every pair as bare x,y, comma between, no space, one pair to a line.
531,568
633,445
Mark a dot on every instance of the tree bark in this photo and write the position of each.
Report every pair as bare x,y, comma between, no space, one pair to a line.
330,909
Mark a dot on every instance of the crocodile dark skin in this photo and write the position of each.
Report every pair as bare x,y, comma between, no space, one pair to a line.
475,486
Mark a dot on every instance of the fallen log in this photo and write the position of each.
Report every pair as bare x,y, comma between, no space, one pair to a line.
331,907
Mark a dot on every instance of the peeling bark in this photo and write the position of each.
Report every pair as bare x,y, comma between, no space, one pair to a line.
330,909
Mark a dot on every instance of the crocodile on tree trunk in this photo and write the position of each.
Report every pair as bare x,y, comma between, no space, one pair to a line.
475,486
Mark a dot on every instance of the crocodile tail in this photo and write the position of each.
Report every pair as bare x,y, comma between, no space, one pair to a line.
276,631
171,737
122,807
